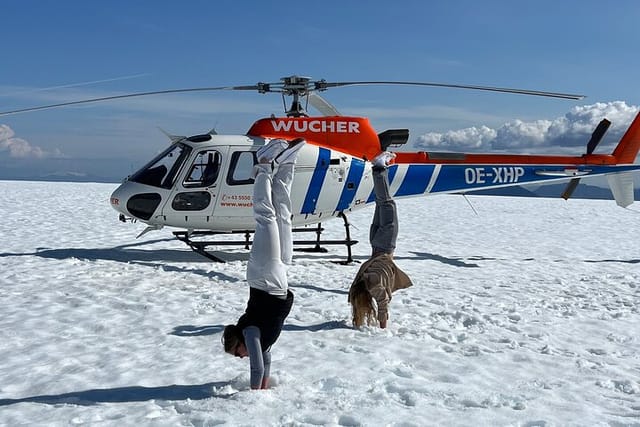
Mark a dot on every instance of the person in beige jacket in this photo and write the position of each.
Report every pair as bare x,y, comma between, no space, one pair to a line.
379,276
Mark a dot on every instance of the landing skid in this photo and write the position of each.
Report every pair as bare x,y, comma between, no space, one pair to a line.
197,242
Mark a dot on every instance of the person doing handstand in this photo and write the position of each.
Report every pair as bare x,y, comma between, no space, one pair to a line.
379,276
270,299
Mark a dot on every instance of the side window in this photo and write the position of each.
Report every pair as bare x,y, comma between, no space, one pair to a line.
204,170
241,168
192,201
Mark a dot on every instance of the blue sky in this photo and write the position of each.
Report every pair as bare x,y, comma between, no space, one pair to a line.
583,47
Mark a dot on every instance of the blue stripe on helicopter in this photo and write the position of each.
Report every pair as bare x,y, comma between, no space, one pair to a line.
315,186
391,174
469,177
475,177
356,170
452,177
415,180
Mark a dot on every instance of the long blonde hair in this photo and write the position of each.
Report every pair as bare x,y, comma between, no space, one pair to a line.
363,309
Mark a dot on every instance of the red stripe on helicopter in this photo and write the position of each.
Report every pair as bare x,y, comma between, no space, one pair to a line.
355,136
522,159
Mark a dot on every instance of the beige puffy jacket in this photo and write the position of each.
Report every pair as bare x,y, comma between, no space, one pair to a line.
382,277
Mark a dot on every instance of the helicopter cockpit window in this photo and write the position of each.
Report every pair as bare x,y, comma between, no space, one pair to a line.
241,168
162,170
204,170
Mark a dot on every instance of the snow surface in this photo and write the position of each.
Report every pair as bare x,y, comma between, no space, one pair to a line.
523,315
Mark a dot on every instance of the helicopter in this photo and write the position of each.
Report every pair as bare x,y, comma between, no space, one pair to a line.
203,185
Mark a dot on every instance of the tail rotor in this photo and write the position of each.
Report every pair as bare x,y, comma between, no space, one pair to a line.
596,137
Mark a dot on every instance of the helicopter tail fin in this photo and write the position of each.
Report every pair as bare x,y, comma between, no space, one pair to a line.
621,185
628,147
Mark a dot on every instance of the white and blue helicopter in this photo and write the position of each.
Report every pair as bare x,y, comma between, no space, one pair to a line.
202,184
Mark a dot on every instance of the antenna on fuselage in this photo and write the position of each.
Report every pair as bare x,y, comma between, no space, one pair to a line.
470,205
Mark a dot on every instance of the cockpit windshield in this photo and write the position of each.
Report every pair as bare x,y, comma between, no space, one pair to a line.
163,169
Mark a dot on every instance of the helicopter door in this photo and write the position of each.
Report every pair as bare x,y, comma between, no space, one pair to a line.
194,196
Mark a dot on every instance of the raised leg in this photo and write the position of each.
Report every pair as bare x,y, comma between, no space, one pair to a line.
281,193
265,269
384,227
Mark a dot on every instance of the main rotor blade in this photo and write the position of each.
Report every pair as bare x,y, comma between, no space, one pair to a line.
300,86
323,85
130,95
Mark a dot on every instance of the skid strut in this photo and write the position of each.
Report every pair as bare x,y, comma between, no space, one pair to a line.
199,240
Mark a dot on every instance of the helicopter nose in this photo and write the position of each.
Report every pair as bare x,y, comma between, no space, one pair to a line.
135,202
118,201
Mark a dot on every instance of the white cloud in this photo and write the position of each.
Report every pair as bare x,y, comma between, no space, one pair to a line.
567,134
511,135
20,148
469,139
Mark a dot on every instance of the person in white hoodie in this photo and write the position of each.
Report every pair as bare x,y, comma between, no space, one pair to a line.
270,299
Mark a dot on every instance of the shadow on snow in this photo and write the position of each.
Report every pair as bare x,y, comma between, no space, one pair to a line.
194,331
125,394
458,261
123,253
